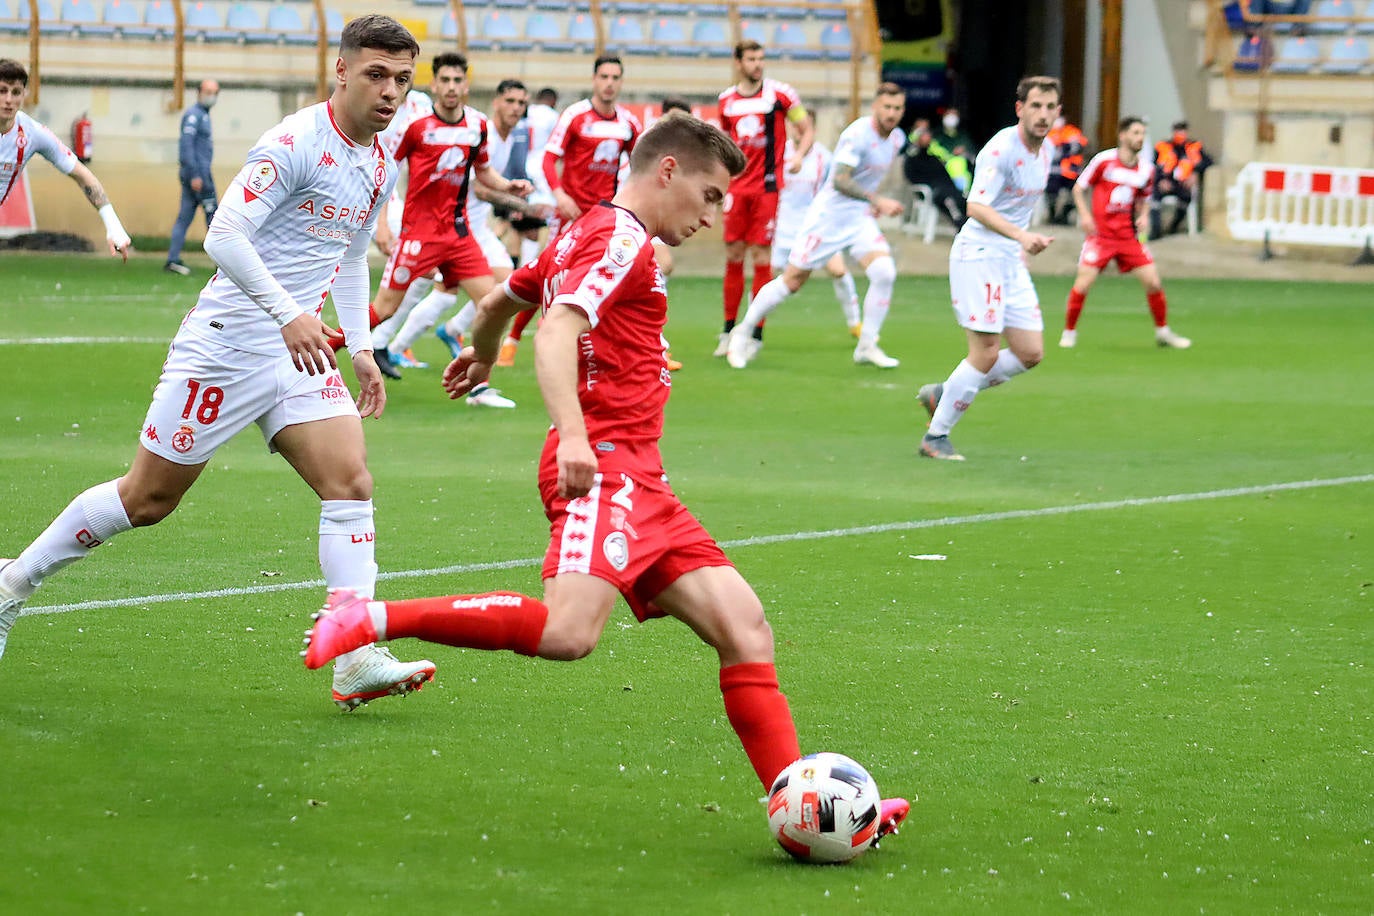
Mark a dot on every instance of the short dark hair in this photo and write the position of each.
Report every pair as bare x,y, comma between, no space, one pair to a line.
889,89
1128,122
1042,83
676,103
379,33
696,144
746,46
607,59
1180,125
507,85
11,71
547,96
449,59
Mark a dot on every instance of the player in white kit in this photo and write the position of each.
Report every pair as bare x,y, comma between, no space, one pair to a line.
22,138
793,200
292,229
842,219
990,287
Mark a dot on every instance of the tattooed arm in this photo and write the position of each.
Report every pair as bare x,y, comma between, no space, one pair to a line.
844,182
115,235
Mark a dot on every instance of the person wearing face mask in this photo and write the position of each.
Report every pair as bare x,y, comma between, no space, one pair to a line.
960,146
1179,164
195,151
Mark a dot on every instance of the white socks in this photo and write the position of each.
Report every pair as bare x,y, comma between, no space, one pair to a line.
422,317
88,521
882,276
848,297
529,250
383,333
1006,367
961,388
458,325
772,295
348,538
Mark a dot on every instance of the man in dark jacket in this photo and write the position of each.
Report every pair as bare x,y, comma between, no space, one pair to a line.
195,151
926,162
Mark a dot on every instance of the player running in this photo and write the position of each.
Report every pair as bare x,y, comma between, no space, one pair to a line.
22,138
842,220
755,113
990,287
292,229
616,526
1120,182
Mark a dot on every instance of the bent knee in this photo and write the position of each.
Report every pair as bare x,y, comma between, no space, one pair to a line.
354,482
567,646
1031,358
146,509
747,637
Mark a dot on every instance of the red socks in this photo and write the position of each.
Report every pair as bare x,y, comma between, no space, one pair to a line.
762,274
1159,309
1075,308
522,321
759,714
734,289
495,620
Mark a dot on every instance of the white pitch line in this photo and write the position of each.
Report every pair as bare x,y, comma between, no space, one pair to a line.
946,522
63,341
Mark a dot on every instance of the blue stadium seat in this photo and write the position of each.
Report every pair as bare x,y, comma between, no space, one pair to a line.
49,21
81,13
201,20
671,37
159,19
626,34
753,30
284,23
10,21
244,23
501,30
1296,54
1347,56
1366,27
626,7
829,14
582,32
544,32
707,9
122,16
1253,52
333,24
790,40
1235,16
789,12
448,28
1331,10
837,42
746,11
712,37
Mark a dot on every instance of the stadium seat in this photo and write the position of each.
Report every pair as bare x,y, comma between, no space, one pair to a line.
791,40
671,37
626,34
285,24
626,7
1347,56
122,16
1235,16
582,32
81,13
244,23
500,29
1296,54
545,33
831,13
159,20
712,37
1331,10
837,42
10,21
789,12
746,11
1254,51
1367,14
49,22
333,24
705,9
201,21
753,30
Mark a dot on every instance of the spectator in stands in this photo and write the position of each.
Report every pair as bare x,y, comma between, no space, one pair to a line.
195,150
925,163
1179,164
960,146
22,138
1070,152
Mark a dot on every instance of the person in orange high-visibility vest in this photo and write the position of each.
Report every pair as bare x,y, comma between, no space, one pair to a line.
1179,164
1070,152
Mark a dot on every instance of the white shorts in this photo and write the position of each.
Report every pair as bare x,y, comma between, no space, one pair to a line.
209,392
819,241
493,249
991,291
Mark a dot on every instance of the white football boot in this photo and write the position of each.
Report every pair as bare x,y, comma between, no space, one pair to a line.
1167,338
378,673
10,605
487,396
873,355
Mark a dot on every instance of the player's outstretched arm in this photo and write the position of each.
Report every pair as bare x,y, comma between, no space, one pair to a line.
115,235
1030,242
555,367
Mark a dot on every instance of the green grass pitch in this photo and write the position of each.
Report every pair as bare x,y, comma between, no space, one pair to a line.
1106,701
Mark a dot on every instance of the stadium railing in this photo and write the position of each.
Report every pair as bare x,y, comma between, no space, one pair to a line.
1303,204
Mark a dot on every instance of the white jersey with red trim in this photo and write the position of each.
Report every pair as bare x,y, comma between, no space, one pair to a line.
307,189
1010,179
870,156
25,139
801,188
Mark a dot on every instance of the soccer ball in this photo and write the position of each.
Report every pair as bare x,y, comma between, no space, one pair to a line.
824,808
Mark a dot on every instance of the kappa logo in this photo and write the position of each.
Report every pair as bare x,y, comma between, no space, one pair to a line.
151,433
287,141
326,159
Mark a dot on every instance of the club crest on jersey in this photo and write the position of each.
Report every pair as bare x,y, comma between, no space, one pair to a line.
379,174
261,176
617,550
184,439
622,249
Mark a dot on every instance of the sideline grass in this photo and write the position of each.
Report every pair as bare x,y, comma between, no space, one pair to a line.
1160,708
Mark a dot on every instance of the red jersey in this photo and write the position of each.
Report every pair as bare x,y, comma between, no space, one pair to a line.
590,145
1116,188
758,125
604,266
441,156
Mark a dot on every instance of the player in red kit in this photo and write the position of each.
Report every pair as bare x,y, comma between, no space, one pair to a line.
445,151
754,113
616,526
589,140
1120,183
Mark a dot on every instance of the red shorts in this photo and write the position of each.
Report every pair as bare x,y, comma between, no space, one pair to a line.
750,217
638,538
459,258
1129,253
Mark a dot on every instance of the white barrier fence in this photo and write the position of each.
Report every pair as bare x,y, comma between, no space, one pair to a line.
1307,205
